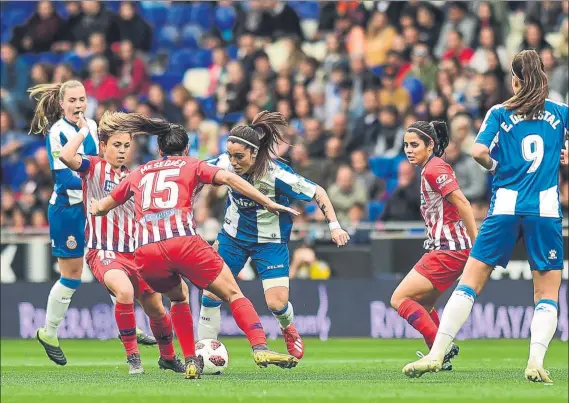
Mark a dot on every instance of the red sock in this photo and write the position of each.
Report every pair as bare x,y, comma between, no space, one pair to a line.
162,330
419,318
124,316
184,326
435,317
248,320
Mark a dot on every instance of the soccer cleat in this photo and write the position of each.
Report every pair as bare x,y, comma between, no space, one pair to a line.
175,365
293,341
51,346
451,353
421,366
536,373
266,357
194,367
143,339
134,364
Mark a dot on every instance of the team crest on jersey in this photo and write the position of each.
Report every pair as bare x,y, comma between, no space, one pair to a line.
109,185
55,154
71,242
297,187
264,189
552,254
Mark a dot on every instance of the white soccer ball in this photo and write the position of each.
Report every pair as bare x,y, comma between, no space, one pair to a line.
214,354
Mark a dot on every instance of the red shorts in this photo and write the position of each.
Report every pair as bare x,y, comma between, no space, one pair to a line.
162,263
442,267
101,261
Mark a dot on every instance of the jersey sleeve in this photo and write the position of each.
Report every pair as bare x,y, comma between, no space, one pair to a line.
490,126
441,178
88,162
54,143
122,192
206,172
221,161
293,185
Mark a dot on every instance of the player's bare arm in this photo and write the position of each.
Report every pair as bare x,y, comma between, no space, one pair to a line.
339,236
103,206
481,154
239,184
462,204
565,154
69,154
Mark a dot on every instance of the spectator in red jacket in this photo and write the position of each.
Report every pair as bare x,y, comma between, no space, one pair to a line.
100,84
456,48
132,75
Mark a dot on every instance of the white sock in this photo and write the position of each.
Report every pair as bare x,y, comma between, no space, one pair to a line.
285,316
58,303
543,327
456,312
210,319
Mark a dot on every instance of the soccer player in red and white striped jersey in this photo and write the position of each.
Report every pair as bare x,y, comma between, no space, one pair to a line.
451,230
167,246
110,240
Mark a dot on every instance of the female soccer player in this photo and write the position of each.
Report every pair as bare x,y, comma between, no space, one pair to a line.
450,229
249,230
167,246
57,114
528,132
111,246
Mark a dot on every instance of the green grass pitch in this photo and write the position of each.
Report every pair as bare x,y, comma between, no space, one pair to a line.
339,370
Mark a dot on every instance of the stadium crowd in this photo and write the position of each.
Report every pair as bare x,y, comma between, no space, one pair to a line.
349,76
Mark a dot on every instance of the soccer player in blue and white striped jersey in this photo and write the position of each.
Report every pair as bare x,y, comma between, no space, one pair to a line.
250,231
520,142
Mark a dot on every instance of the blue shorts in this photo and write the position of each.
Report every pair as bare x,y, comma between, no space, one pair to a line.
271,259
542,237
67,230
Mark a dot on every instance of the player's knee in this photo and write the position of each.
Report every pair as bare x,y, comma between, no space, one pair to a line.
152,304
124,294
71,268
276,301
396,301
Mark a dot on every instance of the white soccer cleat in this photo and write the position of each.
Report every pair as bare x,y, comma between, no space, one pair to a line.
536,373
421,366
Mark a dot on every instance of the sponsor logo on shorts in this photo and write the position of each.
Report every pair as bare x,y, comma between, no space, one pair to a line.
552,254
71,242
276,266
106,262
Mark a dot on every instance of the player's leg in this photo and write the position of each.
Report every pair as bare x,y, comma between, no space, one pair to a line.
272,261
544,243
141,337
118,282
493,247
235,256
67,240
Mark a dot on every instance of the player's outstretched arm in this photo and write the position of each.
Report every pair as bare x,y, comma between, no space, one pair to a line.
462,204
239,184
339,236
68,154
481,153
565,154
103,206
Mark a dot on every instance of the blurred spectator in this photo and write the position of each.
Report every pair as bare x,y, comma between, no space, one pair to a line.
470,176
315,140
534,38
132,75
40,31
41,73
305,166
404,204
262,97
486,45
461,132
98,47
63,72
366,128
133,28
480,209
207,227
283,19
487,20
359,163
379,39
345,192
218,69
390,137
427,24
180,96
557,74
96,18
357,216
13,83
391,94
163,106
12,140
254,21
101,85
305,265
232,96
456,48
334,158
546,13
422,66
335,53
458,19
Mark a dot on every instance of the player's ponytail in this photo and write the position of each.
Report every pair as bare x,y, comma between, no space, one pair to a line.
262,138
435,132
48,111
172,138
528,70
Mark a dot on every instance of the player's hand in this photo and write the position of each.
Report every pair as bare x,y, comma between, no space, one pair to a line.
93,208
340,237
276,208
564,157
82,121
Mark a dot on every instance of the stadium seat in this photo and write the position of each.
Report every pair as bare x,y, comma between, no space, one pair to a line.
74,60
383,167
233,117
224,17
179,14
11,18
168,37
191,35
307,10
415,88
209,107
196,80
154,14
49,57
232,51
375,208
201,58
202,14
391,185
30,58
377,70
167,80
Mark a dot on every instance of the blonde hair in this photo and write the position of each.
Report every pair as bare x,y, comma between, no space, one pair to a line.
48,111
